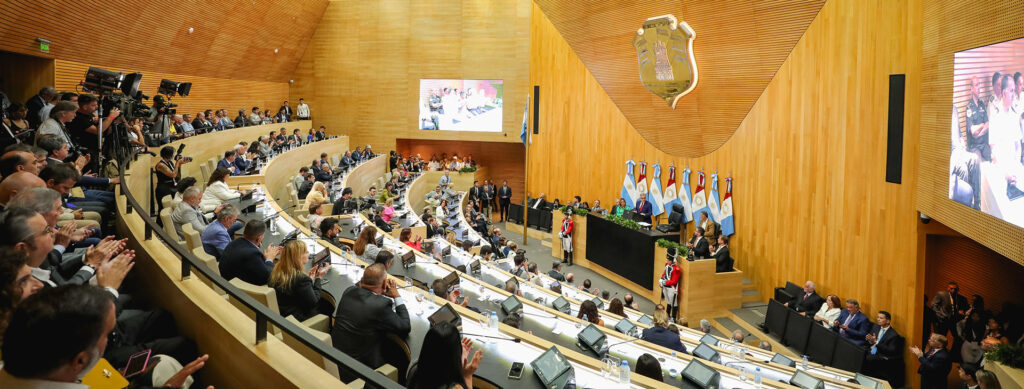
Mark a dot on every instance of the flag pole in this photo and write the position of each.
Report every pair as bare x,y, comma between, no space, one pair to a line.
526,171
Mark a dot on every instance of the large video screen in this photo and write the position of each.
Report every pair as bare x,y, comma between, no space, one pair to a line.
985,164
460,105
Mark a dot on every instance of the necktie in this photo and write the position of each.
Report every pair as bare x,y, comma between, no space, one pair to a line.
881,333
846,323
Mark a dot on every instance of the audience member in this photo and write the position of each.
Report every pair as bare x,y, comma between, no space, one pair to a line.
365,246
187,212
885,357
967,373
765,345
366,313
935,363
659,333
218,234
587,287
298,293
987,380
385,258
648,366
616,307
445,360
698,244
316,215
807,302
243,259
852,324
723,262
406,237
556,272
829,311
629,302
705,326
217,191
588,312
738,336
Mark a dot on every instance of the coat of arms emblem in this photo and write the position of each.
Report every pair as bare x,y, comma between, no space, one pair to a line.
664,51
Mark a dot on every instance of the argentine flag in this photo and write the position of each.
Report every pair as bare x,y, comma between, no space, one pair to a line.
684,195
524,133
629,192
700,202
671,197
716,213
657,201
728,228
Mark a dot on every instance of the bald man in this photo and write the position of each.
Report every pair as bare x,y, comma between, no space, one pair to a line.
17,182
18,161
365,317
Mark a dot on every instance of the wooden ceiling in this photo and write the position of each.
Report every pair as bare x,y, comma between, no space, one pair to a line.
233,39
740,45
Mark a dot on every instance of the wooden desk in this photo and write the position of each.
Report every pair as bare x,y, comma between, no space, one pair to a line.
704,293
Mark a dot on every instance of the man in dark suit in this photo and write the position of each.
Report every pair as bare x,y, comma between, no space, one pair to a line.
229,163
37,103
433,227
723,261
885,358
242,257
307,185
808,302
504,200
698,244
968,374
852,324
935,364
345,204
959,303
643,208
365,317
286,109
556,272
474,192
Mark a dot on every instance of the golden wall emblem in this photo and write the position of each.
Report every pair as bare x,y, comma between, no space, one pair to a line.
664,51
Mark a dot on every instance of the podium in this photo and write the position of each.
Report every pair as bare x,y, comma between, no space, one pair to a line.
703,294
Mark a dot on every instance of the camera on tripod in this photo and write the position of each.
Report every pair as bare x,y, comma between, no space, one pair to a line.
163,107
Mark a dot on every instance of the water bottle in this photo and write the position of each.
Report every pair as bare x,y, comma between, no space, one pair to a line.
624,373
743,352
493,321
804,363
431,291
757,376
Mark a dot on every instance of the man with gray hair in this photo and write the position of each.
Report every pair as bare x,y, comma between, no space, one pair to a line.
705,326
219,233
187,212
808,302
36,103
61,113
738,336
765,345
47,202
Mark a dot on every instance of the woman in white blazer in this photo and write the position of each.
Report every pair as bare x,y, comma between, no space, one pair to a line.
217,190
829,311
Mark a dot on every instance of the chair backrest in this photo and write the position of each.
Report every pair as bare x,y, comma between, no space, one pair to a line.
295,197
165,218
192,238
166,201
204,173
387,177
335,161
307,352
302,219
211,263
264,294
212,165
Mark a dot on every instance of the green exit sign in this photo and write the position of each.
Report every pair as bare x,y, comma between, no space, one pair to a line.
44,47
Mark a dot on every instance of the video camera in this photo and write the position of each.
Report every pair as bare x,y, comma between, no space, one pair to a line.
161,106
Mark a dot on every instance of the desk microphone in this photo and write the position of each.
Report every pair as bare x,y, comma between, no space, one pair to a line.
514,340
623,342
539,315
271,217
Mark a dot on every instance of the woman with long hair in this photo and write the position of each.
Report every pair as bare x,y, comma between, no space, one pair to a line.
217,190
365,246
446,361
318,194
647,365
406,237
829,311
589,309
616,307
298,293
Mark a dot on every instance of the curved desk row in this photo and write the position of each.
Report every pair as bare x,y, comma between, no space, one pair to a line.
549,327
220,329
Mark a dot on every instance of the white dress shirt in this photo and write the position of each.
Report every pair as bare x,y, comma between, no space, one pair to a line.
215,195
830,315
302,111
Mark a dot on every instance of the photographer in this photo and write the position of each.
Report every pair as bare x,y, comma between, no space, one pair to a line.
84,130
167,171
160,133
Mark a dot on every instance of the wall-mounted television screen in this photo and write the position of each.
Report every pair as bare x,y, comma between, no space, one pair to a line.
461,105
985,164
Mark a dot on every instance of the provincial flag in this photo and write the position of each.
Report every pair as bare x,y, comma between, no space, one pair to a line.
728,228
671,197
657,201
700,202
684,196
641,182
524,133
629,193
715,214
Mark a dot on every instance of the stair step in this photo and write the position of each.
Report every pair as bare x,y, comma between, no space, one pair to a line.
750,296
747,281
753,304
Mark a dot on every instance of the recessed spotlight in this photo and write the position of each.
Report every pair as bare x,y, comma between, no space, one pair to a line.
275,51
191,30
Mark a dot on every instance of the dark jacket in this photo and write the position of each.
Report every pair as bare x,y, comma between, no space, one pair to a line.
859,327
300,298
810,304
304,189
723,262
380,223
363,320
701,249
663,337
934,369
556,275
891,344
243,260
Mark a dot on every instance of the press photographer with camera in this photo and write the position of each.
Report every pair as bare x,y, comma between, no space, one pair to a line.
167,171
163,111
84,127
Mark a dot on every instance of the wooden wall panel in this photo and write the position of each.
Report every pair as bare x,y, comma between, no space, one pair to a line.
808,160
231,39
976,268
498,161
361,72
21,76
949,27
739,47
207,92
